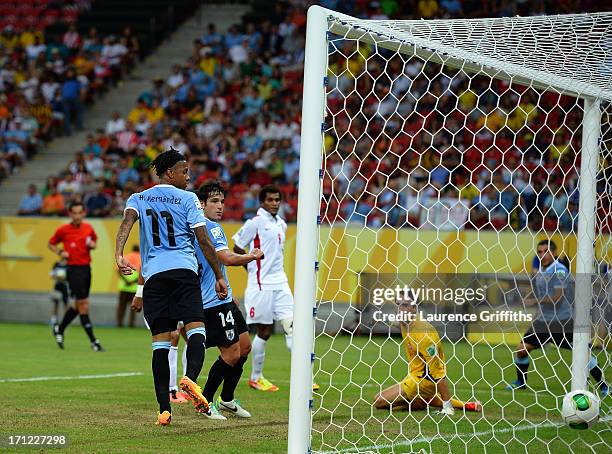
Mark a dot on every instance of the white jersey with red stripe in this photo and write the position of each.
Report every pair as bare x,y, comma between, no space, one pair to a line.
265,232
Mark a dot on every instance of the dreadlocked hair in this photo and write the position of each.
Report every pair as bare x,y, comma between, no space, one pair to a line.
166,160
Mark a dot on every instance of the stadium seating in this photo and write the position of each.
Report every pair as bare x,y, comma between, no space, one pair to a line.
214,109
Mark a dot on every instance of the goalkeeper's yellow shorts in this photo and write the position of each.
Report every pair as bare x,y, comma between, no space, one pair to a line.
416,387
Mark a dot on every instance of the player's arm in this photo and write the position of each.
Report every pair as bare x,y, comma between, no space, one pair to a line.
443,390
559,284
211,257
130,216
229,258
430,349
552,299
137,300
243,237
239,250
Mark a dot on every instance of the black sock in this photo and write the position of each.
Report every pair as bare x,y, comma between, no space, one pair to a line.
231,380
195,355
521,372
86,322
597,374
216,375
70,315
522,366
161,377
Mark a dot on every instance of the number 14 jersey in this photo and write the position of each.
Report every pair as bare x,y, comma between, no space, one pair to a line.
167,217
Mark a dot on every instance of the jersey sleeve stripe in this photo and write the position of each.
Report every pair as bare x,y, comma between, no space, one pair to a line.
221,248
257,245
130,208
198,225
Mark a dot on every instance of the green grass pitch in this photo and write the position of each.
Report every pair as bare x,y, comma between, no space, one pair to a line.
117,414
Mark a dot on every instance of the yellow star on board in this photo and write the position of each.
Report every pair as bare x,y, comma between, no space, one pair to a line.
15,245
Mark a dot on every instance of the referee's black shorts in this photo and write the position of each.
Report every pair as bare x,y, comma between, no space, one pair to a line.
172,296
79,280
559,333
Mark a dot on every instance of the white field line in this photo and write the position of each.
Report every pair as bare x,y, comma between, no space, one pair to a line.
74,377
452,437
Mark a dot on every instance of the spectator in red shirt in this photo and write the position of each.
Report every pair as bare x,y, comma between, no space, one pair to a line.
78,239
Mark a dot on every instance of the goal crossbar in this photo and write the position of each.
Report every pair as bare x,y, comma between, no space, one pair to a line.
424,39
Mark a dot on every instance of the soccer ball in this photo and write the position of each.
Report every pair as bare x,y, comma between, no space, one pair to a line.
580,409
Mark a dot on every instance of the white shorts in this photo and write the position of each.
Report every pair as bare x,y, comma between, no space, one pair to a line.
265,306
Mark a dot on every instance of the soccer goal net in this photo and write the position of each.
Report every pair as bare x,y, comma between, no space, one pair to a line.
458,164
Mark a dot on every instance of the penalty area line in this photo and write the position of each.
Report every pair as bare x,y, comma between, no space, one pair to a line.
73,377
449,438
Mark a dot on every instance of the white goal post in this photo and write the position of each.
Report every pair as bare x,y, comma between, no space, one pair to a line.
568,55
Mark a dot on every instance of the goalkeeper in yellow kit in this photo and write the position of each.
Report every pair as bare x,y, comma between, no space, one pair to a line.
426,383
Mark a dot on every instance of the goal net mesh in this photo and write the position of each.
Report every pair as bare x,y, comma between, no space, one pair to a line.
451,149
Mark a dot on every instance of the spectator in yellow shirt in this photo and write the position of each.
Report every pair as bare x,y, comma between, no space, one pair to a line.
428,8
141,108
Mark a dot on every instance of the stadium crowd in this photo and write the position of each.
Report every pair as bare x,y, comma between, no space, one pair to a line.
233,109
45,83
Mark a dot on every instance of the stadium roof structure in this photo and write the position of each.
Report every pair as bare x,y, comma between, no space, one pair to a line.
570,53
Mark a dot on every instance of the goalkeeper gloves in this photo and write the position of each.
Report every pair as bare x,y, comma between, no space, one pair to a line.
447,409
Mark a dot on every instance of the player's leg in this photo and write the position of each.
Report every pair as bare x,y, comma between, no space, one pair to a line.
160,331
393,397
121,306
521,362
564,339
257,380
175,396
55,302
81,293
283,312
403,395
132,314
535,337
83,309
184,353
71,312
221,332
196,341
232,357
56,296
226,399
65,296
186,305
219,371
260,312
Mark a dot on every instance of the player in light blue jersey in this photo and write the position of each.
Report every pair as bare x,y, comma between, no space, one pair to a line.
553,293
170,219
225,325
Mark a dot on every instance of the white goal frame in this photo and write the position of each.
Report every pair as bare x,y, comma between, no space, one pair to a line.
321,21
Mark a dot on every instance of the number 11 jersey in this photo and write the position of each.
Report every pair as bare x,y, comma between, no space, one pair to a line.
167,217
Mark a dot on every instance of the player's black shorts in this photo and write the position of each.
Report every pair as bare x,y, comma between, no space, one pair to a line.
79,280
224,325
60,292
171,296
541,333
